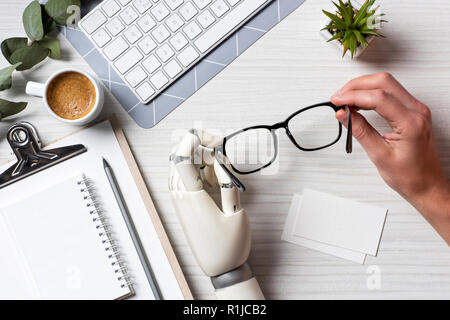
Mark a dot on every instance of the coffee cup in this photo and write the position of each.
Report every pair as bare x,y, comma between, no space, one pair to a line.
70,95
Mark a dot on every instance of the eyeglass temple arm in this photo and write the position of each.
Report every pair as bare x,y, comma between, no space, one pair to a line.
233,178
349,142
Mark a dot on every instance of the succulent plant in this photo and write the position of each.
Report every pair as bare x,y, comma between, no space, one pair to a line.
352,27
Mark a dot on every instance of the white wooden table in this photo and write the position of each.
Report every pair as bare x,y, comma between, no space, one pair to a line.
289,68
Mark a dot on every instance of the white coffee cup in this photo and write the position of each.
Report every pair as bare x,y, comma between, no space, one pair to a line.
40,90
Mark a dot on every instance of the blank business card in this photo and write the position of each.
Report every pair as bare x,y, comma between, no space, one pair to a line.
288,236
339,222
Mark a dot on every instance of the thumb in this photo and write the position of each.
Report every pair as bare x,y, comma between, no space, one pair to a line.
372,142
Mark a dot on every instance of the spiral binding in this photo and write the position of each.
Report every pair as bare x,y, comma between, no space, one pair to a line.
104,231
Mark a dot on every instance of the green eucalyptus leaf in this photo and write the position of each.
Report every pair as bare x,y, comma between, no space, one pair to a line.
12,44
57,9
29,56
6,76
32,21
9,108
53,45
47,21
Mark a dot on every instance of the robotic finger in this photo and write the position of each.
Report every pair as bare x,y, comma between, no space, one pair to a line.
220,239
194,162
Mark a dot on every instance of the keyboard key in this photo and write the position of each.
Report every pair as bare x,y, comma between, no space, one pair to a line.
174,22
136,76
93,21
151,64
146,23
233,2
124,2
192,30
145,91
217,32
173,4
128,15
161,33
206,18
160,12
115,26
188,11
172,69
165,52
178,41
132,34
110,7
101,37
187,56
219,8
159,80
147,45
150,43
128,60
201,4
115,48
142,5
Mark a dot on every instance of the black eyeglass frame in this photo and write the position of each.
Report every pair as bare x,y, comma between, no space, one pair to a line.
273,128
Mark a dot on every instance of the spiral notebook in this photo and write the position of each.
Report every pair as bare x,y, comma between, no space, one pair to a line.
60,247
34,241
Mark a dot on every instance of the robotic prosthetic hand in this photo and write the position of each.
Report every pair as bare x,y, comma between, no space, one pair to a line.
219,239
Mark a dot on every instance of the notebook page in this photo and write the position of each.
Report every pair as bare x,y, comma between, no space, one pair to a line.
15,277
101,142
55,232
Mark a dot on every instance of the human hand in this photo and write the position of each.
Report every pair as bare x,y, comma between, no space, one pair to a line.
405,157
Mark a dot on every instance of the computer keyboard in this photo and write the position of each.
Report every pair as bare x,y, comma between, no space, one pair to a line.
151,43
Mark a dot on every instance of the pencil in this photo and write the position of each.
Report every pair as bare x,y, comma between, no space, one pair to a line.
131,229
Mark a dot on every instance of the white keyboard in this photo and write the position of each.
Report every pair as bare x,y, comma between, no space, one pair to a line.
151,43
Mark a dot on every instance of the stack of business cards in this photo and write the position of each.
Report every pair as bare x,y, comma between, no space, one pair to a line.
334,225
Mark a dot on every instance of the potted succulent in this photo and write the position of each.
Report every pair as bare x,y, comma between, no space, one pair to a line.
353,26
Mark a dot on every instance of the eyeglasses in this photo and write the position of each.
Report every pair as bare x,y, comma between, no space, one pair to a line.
255,148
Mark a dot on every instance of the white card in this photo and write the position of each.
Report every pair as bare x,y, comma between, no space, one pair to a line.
340,222
288,236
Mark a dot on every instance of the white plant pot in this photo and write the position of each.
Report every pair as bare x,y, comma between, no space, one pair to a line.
335,43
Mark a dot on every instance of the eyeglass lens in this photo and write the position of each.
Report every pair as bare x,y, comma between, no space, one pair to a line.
314,128
253,149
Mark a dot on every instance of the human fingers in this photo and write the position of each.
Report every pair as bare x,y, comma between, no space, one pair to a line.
367,136
379,100
388,83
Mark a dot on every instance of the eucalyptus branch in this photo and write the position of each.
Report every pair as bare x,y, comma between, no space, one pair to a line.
39,21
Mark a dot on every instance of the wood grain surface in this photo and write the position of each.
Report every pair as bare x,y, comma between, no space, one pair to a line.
292,67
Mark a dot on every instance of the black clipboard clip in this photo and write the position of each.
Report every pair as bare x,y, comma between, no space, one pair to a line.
25,143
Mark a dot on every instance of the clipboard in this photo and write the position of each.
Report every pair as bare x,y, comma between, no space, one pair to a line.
155,220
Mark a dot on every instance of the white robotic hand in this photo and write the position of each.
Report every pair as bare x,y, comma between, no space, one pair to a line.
219,239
